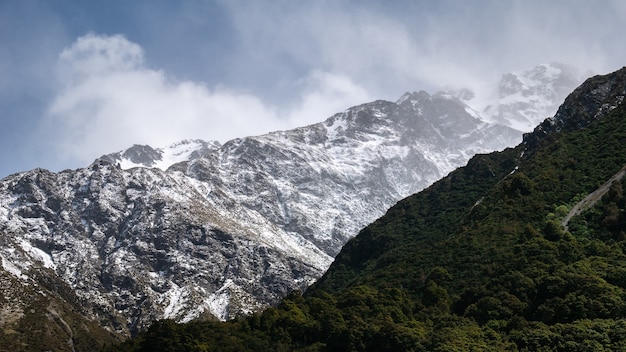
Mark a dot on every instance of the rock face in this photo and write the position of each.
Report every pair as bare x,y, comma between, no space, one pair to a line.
40,312
200,229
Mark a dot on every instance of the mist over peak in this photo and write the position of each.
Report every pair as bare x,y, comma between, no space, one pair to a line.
522,99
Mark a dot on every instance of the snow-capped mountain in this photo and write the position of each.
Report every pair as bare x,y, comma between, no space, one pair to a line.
523,99
199,229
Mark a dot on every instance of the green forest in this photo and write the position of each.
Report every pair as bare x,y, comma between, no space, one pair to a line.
479,261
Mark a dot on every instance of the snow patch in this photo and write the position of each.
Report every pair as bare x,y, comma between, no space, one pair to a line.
219,301
177,300
38,254
473,113
12,268
337,128
170,155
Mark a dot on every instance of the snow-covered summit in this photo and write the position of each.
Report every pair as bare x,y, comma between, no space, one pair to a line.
161,158
523,99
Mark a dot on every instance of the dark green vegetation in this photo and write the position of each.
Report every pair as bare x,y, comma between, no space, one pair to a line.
479,261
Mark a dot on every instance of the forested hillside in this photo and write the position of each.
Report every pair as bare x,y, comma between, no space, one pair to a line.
478,261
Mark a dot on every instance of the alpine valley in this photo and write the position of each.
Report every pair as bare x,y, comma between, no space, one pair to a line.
210,231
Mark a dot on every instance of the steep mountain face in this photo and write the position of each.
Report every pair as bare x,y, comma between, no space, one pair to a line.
199,229
346,169
564,158
588,102
480,260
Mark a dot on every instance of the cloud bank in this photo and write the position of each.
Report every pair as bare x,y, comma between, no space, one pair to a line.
155,72
110,100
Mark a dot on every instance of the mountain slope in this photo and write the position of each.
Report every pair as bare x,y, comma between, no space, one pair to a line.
228,229
479,260
40,312
203,230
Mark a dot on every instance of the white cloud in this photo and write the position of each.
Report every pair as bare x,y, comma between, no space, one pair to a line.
94,56
253,67
111,100
371,49
391,47
325,93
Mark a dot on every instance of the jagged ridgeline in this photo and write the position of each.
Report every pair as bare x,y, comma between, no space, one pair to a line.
488,258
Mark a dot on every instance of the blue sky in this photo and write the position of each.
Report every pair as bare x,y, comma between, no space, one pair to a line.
79,79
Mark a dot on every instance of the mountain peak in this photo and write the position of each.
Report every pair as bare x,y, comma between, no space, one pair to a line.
593,99
413,96
161,158
142,154
523,99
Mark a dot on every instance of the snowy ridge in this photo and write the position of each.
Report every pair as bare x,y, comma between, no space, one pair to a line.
161,158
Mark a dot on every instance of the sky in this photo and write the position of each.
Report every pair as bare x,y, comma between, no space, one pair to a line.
79,79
